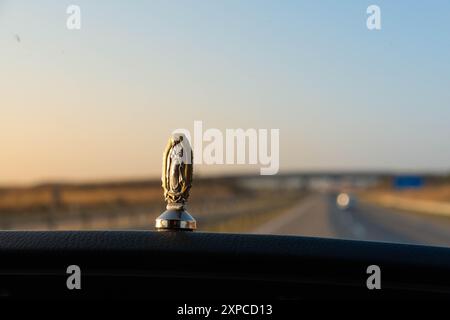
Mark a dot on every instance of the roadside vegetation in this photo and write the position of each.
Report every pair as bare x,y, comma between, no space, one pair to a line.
221,204
433,198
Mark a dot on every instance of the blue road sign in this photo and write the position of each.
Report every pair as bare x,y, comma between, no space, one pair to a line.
406,182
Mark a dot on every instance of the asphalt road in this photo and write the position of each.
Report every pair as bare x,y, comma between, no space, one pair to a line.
318,216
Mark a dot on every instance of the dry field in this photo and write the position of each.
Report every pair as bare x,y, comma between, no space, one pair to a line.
433,199
218,205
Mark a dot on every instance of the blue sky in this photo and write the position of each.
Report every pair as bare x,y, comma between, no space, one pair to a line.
100,102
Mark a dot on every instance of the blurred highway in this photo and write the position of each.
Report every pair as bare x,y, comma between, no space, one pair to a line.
318,216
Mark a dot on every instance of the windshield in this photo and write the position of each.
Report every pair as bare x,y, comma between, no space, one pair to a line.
310,118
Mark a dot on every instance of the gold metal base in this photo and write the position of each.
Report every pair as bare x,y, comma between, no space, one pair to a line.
175,220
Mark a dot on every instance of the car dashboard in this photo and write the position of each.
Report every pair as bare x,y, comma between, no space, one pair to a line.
202,267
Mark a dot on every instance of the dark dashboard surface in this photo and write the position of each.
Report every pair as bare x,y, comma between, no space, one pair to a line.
214,266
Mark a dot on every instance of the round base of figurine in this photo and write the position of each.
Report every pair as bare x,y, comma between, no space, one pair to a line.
179,220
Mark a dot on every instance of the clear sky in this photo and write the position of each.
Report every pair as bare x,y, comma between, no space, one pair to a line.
100,102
